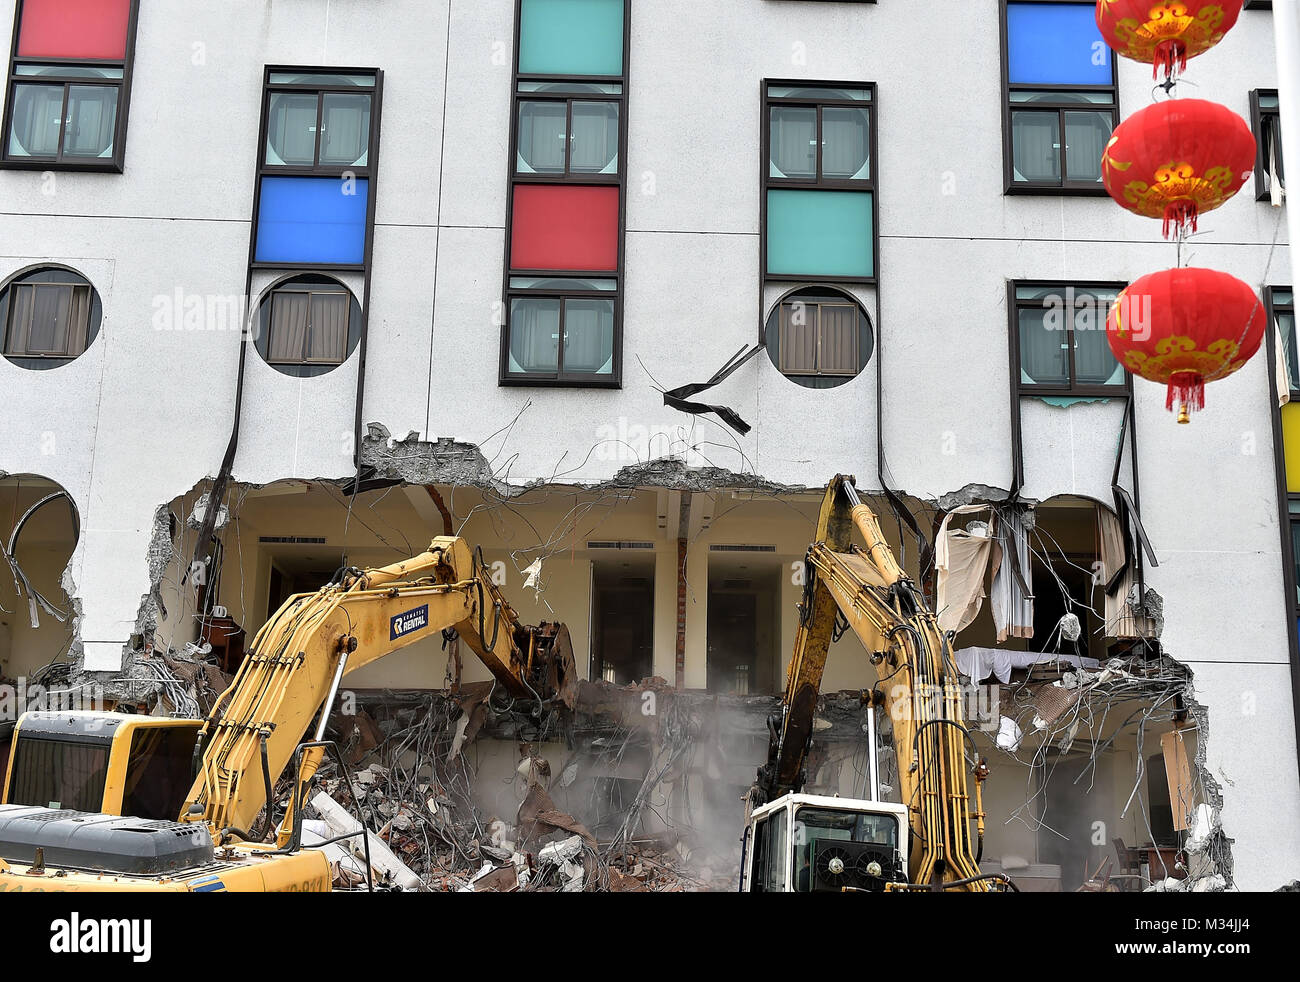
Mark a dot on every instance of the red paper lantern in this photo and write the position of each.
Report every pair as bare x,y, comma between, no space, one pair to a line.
1186,327
1164,32
1178,159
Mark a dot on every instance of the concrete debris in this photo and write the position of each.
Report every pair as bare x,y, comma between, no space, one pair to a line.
382,859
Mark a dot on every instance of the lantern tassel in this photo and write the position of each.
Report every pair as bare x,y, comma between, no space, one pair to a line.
1167,54
1188,390
1180,216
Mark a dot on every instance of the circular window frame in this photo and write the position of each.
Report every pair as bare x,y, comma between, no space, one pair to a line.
262,338
48,273
824,293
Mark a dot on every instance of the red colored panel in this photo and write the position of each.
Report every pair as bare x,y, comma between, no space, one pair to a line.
562,227
91,29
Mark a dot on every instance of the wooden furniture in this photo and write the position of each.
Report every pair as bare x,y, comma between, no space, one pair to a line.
227,640
1128,871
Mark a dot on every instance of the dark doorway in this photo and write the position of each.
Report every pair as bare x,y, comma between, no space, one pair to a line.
1067,814
1074,578
743,611
622,622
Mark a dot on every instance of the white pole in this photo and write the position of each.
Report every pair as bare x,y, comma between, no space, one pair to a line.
1286,29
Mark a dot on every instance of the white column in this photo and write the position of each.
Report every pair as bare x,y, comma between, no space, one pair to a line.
1286,29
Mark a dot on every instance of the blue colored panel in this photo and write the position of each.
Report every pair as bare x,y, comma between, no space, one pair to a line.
571,37
820,233
1056,44
312,220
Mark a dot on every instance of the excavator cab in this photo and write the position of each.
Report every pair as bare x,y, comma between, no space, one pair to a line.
803,843
112,763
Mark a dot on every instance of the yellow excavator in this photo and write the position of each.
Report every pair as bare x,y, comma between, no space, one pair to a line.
101,801
797,842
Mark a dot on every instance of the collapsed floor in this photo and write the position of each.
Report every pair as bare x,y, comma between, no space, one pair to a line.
683,591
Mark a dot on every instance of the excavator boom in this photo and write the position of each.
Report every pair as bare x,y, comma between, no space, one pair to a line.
289,678
848,586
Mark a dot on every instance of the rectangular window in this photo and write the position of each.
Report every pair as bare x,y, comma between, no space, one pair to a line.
47,320
565,227
1059,338
818,339
308,326
319,133
69,85
819,207
1266,120
1062,97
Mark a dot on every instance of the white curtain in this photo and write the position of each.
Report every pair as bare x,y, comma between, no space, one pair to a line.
542,135
346,121
534,334
797,339
588,335
328,338
1043,355
51,314
1012,603
1121,621
845,142
21,298
38,118
1086,136
92,116
291,129
794,141
1035,145
595,138
837,352
290,316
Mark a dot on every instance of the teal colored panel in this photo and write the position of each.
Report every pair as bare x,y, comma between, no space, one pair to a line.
571,37
820,233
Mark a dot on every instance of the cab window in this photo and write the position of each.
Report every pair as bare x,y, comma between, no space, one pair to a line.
812,825
769,854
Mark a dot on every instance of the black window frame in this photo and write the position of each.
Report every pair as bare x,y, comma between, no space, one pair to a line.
1260,118
1064,187
514,178
114,165
320,90
819,182
367,173
569,176
1073,389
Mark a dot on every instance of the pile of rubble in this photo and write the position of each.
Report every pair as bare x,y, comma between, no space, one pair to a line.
410,783
545,850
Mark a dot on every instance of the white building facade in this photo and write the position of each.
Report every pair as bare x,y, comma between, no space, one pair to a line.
513,224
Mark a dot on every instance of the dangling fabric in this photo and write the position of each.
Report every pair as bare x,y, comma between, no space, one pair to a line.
961,558
1013,578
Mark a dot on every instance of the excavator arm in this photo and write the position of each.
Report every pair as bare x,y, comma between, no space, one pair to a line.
919,688
297,660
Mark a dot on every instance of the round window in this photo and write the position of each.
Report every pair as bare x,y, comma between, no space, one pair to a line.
48,317
307,325
819,337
